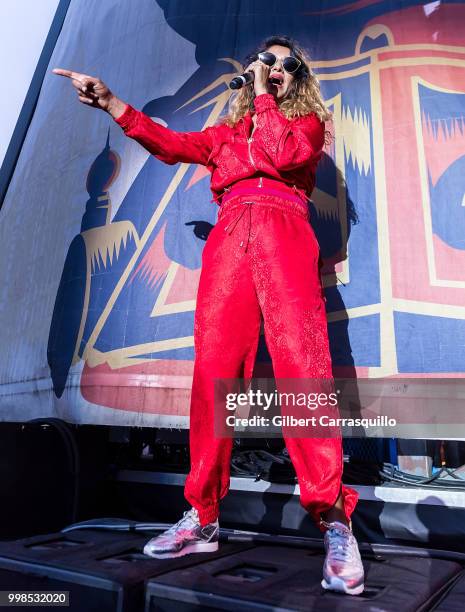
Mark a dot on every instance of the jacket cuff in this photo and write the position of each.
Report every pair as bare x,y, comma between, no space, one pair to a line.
128,118
264,102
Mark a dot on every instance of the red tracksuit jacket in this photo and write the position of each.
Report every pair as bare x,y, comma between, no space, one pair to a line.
287,150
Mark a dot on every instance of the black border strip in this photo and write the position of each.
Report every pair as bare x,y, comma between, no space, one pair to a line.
30,102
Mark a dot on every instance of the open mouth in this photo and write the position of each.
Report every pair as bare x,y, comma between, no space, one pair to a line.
276,80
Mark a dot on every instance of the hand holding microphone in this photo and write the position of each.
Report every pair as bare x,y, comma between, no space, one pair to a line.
257,73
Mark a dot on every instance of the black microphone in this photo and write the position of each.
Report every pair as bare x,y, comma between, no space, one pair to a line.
242,80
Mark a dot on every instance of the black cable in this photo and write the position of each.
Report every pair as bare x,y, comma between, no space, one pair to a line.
235,535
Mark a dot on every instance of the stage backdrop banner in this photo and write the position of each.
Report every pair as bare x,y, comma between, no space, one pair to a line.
101,243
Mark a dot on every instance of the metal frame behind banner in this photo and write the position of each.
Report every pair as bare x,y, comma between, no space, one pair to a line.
29,105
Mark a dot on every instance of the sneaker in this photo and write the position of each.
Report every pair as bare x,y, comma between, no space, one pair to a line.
184,537
343,568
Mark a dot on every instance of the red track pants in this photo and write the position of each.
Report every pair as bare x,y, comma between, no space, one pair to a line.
264,264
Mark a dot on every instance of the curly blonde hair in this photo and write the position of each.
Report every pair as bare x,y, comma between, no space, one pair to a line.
304,94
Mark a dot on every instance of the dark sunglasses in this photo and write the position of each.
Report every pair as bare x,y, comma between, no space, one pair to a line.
290,64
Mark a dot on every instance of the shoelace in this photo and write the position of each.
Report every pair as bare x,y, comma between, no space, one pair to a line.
188,515
339,544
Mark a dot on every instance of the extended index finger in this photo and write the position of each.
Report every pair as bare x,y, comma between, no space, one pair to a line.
66,73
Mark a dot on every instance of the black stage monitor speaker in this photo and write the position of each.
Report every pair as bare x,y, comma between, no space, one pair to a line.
271,578
104,571
454,599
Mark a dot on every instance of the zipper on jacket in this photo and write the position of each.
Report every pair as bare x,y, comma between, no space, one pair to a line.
249,140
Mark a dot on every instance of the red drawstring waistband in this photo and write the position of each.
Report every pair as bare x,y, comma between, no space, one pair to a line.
265,185
240,197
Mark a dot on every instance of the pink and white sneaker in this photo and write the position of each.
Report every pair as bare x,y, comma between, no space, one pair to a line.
343,568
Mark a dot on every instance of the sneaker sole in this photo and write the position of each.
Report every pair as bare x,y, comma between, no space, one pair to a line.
339,586
198,547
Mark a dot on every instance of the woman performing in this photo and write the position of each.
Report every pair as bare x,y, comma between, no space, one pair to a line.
260,260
